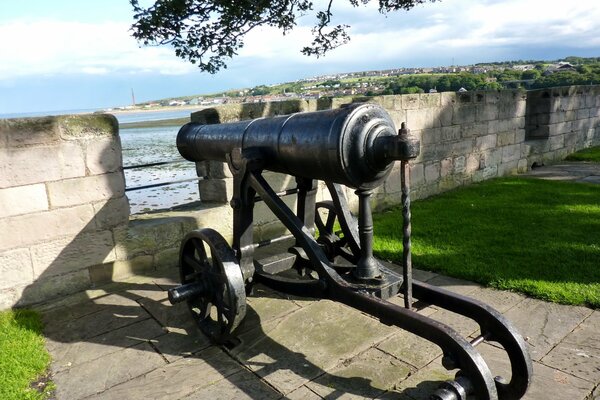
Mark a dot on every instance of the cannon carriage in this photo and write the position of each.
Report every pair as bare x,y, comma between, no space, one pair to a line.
331,254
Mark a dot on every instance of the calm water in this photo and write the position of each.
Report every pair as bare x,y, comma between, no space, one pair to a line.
149,145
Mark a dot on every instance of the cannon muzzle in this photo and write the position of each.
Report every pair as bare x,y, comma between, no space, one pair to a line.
354,145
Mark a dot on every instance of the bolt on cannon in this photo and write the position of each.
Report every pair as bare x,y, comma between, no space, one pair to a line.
355,146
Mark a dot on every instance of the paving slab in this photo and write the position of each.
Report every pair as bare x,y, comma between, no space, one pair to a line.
290,351
576,171
105,372
242,385
71,355
364,377
544,325
580,361
547,383
179,379
421,384
303,393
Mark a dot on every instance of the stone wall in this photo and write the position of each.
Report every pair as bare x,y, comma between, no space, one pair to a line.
65,224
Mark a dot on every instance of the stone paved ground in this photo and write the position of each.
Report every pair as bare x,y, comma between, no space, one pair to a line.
577,171
127,342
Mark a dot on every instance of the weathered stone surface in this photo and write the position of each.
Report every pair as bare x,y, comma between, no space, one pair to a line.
147,236
71,355
119,269
411,348
216,190
177,380
290,351
239,386
432,172
52,163
15,268
303,393
181,342
365,376
545,324
500,300
586,334
547,383
46,288
25,229
112,313
88,189
111,213
21,132
486,142
581,361
87,126
105,372
102,156
23,200
67,254
421,384
168,258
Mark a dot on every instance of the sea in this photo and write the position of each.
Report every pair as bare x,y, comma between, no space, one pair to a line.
143,146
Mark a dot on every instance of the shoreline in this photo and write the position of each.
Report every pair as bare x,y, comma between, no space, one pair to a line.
155,109
155,123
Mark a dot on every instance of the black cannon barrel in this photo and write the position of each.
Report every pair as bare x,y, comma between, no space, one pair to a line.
353,145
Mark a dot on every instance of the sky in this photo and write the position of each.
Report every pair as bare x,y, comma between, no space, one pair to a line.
74,54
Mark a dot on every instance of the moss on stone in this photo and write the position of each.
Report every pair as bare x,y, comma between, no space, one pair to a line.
87,125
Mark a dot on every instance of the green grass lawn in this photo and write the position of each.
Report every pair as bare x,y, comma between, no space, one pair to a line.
23,357
590,154
537,237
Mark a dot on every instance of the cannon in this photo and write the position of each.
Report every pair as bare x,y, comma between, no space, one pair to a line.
331,254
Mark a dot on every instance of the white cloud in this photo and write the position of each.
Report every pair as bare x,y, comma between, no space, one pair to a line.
442,29
52,47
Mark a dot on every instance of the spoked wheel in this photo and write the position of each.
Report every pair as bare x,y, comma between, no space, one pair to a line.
212,284
334,241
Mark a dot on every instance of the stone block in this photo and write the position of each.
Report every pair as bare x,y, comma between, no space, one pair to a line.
557,142
583,113
488,112
22,132
53,287
216,190
410,101
432,172
451,133
511,153
486,142
464,114
398,117
506,138
103,155
522,166
23,200
460,164
417,175
117,270
217,170
422,118
87,189
70,254
430,100
472,163
33,228
431,135
148,236
473,130
27,165
87,126
446,167
508,168
448,99
15,268
111,213
168,258
445,116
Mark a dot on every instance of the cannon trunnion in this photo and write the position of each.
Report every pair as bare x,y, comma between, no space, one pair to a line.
354,146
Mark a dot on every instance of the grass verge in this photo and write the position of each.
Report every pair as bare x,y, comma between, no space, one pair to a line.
24,359
590,154
537,237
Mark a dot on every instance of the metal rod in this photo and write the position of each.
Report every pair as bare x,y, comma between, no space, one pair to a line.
267,242
283,193
163,184
155,164
406,228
